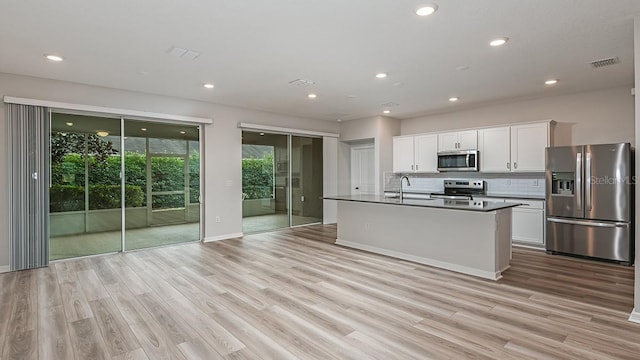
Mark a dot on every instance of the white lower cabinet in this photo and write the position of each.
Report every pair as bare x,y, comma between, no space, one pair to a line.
527,220
527,223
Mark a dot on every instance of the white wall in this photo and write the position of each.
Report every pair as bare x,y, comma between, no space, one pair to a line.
330,178
222,141
603,116
379,131
636,314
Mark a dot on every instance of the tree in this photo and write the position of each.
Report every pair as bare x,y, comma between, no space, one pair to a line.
63,143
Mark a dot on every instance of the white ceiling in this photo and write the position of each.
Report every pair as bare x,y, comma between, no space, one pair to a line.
252,49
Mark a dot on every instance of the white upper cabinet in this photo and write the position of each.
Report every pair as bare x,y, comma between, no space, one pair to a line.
415,153
459,140
448,141
468,140
518,148
426,153
528,143
495,149
403,154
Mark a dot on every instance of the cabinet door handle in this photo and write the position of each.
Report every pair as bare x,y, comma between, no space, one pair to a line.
508,166
416,167
411,167
515,165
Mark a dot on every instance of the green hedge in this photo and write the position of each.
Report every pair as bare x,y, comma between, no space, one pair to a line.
168,176
71,197
257,178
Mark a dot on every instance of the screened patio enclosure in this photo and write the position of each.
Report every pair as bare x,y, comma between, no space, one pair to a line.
120,184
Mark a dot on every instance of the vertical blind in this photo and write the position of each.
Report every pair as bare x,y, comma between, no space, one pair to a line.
29,130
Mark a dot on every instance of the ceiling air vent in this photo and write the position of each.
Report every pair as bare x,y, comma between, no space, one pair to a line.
183,53
301,82
605,62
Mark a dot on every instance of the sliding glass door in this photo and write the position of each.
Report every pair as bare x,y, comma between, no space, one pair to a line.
281,181
164,161
265,181
161,167
85,207
306,180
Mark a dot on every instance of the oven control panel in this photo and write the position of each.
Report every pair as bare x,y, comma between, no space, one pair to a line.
464,184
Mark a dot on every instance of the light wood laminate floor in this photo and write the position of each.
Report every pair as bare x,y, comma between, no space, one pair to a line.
291,295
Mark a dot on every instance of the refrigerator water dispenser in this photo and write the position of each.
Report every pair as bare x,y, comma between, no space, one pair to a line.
563,183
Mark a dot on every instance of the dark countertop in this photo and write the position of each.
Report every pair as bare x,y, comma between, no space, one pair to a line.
488,195
514,196
468,205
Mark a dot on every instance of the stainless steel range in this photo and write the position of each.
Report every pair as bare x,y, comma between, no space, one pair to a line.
461,189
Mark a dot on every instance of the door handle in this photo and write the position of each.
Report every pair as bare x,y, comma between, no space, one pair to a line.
508,165
416,167
579,181
588,223
515,165
587,182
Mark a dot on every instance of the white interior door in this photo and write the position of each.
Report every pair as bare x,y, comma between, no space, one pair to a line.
362,170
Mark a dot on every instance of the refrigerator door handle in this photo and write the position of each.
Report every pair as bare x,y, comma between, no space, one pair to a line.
578,189
588,223
587,182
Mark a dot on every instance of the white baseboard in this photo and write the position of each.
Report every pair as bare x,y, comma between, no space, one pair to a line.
431,262
5,268
222,237
635,316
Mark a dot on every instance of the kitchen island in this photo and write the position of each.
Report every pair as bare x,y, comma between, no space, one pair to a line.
467,236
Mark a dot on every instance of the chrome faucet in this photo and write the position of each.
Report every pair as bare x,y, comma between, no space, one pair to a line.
408,184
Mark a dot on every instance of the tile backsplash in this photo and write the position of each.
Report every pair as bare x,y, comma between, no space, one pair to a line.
532,184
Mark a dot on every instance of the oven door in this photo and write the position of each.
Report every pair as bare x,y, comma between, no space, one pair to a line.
458,160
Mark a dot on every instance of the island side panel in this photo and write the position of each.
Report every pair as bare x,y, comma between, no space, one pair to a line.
463,241
503,239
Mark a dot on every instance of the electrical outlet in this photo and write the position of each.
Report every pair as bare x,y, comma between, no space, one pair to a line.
508,183
217,219
536,182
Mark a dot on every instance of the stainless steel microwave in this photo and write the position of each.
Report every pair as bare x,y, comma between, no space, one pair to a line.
460,160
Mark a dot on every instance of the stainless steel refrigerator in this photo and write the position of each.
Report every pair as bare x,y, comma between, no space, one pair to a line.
589,201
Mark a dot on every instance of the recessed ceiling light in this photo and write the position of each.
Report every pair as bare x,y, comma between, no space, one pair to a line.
52,57
551,82
427,10
339,120
102,133
261,134
387,111
454,98
381,75
69,124
499,41
183,132
143,129
312,96
208,86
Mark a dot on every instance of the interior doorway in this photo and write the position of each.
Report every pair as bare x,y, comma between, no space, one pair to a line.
363,169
